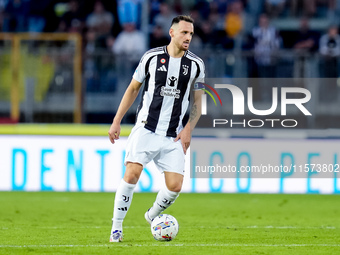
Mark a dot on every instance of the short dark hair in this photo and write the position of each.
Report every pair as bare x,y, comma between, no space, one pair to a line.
179,18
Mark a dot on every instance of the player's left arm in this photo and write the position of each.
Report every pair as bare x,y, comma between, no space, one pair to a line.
195,114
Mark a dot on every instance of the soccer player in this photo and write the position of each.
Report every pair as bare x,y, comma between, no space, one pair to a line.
169,74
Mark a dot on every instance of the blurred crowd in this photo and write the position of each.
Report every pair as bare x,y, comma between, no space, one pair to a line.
106,23
119,26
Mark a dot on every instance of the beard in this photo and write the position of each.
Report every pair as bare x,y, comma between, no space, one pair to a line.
180,45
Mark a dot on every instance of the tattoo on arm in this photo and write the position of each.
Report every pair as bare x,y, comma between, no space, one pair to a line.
193,112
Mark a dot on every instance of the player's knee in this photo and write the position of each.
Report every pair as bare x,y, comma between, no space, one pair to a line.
131,177
175,187
132,173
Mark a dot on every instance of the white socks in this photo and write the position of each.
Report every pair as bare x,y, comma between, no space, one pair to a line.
122,203
164,199
123,199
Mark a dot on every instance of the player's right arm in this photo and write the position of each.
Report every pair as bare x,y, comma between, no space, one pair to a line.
129,97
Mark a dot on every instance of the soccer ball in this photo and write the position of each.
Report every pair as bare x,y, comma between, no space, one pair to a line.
164,227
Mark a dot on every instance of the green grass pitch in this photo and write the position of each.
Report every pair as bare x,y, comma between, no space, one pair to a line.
61,129
80,223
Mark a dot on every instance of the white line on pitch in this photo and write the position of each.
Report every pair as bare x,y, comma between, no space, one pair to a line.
169,244
206,227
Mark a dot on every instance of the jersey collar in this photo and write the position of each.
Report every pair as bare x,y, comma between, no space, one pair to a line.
166,51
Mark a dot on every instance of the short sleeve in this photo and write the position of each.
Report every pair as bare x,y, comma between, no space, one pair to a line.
201,75
140,73
199,82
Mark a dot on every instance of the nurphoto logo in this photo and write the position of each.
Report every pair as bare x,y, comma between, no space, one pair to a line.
289,96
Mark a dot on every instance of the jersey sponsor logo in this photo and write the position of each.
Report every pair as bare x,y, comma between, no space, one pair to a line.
163,60
185,69
162,68
171,81
170,92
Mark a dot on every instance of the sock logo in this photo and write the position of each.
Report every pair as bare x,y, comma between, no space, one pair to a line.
166,201
123,209
161,206
126,198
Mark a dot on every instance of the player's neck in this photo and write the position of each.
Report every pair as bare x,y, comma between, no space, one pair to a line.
174,52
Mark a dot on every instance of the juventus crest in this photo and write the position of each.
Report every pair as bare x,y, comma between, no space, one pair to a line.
185,69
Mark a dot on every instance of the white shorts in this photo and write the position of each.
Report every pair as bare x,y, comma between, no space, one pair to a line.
144,146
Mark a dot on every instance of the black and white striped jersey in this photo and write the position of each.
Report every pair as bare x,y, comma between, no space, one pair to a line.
167,85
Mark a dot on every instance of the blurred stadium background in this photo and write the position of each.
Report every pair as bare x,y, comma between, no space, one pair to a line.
64,66
70,61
